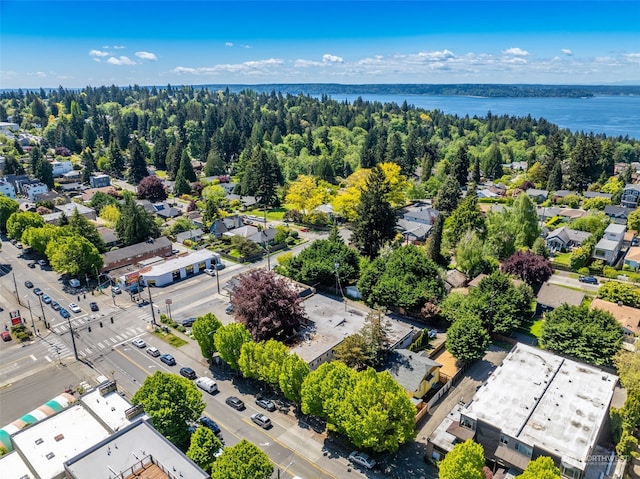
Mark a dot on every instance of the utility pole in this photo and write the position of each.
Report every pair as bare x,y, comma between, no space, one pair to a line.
73,340
153,311
33,325
42,308
217,279
266,237
15,285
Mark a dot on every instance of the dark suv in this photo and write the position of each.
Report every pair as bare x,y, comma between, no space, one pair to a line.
235,403
588,279
188,373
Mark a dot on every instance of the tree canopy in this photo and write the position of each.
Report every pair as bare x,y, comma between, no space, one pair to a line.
173,402
541,468
590,335
204,330
464,461
228,341
529,267
267,305
242,461
204,444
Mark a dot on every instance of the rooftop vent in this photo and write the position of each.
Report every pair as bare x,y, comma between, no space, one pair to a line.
59,437
50,456
39,441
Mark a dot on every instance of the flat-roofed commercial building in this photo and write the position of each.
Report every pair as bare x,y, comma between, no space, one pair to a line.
534,404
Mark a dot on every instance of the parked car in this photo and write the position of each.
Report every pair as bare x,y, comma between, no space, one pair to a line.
28,284
235,403
229,309
210,423
362,459
38,292
42,262
116,290
32,264
210,272
266,404
151,351
168,359
46,299
94,306
19,245
74,307
432,333
64,313
55,305
6,336
588,279
139,343
187,323
188,373
261,420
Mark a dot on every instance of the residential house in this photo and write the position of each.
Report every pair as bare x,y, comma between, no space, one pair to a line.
565,239
415,372
610,244
108,235
252,233
71,176
31,190
618,214
572,213
147,206
167,212
423,214
68,210
61,167
191,235
7,189
536,403
626,316
224,225
8,127
537,195
415,233
558,195
416,221
596,194
630,196
99,181
552,296
88,194
547,212
486,193
632,258
52,196
454,279
246,201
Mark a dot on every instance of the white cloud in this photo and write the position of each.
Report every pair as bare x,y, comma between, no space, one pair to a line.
147,56
121,61
632,57
436,55
119,47
247,46
300,63
246,68
567,52
98,53
41,74
516,52
228,44
327,58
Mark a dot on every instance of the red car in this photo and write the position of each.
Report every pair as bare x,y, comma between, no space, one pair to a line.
6,336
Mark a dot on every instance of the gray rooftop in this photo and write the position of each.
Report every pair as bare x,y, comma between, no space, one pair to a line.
178,262
136,250
553,295
545,400
408,368
616,229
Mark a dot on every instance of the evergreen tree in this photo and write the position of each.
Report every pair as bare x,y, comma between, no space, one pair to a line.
187,167
160,149
461,166
524,220
493,162
466,217
88,163
448,196
262,176
476,170
116,160
138,164
181,186
434,242
428,161
44,172
375,222
214,165
174,155
555,178
135,225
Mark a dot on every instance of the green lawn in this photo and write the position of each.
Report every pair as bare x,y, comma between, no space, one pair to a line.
563,258
170,338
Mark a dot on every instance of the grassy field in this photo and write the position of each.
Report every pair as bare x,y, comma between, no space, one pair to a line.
170,338
536,328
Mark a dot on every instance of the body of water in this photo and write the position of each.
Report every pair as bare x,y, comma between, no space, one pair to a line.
612,115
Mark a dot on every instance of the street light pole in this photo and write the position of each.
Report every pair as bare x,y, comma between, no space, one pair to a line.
153,312
42,308
266,237
218,279
33,325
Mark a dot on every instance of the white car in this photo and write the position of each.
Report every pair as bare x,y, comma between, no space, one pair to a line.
210,272
362,459
139,343
74,307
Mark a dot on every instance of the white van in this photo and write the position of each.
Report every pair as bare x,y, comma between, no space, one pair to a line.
207,384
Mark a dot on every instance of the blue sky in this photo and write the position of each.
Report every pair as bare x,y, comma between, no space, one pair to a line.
75,44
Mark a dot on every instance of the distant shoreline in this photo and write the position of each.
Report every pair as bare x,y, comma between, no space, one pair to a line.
462,89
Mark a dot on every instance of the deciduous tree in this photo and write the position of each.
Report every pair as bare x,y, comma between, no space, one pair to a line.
172,402
151,188
464,461
204,330
466,217
267,305
19,222
529,267
228,341
242,461
293,372
593,336
620,293
204,444
73,255
467,338
7,208
541,468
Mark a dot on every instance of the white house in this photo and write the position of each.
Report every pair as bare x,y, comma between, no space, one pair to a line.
630,196
33,189
61,167
7,188
609,246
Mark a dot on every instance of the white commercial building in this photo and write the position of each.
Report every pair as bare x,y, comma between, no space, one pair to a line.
179,267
